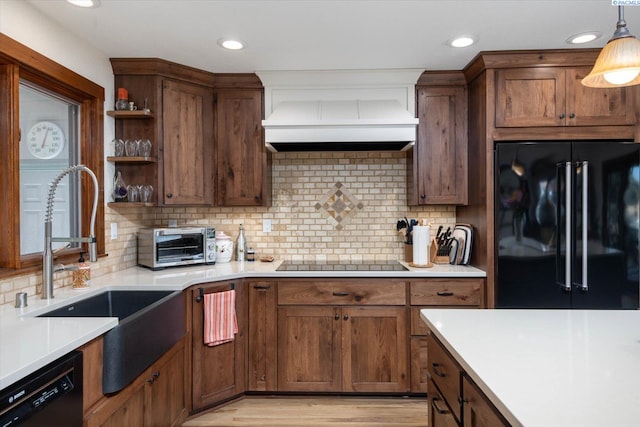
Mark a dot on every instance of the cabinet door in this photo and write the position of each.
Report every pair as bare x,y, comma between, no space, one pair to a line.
218,371
188,144
478,411
309,349
590,107
530,97
419,363
242,158
262,336
165,393
374,349
131,413
440,157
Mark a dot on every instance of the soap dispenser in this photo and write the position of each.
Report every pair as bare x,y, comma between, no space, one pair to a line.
82,275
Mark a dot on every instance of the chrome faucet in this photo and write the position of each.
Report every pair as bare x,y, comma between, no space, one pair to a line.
47,254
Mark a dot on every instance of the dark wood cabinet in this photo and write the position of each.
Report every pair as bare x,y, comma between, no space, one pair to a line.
440,415
242,160
555,96
437,165
206,131
436,293
187,126
218,372
341,336
155,399
262,369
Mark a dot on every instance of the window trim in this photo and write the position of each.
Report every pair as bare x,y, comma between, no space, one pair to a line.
18,61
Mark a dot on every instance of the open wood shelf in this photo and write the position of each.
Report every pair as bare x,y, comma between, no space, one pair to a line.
132,159
126,114
131,204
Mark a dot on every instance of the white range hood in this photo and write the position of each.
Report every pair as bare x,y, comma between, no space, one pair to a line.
340,110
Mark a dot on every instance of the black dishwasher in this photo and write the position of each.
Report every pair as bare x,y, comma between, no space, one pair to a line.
51,396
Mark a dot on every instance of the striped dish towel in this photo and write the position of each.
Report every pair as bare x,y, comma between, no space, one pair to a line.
220,323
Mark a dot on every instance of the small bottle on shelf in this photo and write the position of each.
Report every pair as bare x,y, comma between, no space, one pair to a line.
122,103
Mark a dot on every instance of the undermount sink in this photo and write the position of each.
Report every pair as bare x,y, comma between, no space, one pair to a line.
149,324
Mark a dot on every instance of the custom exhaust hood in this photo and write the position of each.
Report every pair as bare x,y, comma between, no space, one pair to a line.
345,110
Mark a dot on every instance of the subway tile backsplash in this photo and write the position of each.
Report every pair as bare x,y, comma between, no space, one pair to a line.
326,205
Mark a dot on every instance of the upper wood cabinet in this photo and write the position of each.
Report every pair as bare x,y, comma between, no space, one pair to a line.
437,165
188,143
206,130
555,96
243,162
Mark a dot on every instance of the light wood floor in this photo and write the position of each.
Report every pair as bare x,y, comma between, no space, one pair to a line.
316,411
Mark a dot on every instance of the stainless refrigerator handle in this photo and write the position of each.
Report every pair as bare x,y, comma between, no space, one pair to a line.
585,210
567,227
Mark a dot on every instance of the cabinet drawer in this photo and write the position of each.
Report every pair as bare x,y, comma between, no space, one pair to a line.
342,293
445,374
418,327
448,292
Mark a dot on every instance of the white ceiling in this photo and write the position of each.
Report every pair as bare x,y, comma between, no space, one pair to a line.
331,34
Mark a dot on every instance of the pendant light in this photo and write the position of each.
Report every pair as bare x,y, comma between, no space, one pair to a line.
619,61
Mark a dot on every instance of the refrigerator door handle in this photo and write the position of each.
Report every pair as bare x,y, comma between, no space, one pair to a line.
568,169
585,205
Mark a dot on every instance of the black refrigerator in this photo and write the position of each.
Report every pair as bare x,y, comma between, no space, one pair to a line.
566,224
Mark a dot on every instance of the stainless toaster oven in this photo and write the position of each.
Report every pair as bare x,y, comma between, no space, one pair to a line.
172,247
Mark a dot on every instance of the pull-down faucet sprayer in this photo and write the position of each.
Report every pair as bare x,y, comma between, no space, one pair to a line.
47,253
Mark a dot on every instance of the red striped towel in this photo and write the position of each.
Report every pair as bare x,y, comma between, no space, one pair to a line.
220,323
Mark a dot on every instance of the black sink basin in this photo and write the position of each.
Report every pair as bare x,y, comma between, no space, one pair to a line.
149,324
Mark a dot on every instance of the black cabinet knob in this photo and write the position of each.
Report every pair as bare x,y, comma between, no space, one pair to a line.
169,195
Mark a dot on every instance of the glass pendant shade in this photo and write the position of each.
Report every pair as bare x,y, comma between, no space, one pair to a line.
618,63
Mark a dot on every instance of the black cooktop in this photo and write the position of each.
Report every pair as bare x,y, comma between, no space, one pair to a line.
341,266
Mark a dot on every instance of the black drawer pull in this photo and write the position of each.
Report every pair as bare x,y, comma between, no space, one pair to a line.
261,287
337,317
341,294
437,408
445,294
437,371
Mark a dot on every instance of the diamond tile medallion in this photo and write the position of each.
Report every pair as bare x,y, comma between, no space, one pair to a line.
338,204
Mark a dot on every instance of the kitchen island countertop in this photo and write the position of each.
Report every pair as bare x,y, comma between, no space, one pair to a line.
29,343
546,368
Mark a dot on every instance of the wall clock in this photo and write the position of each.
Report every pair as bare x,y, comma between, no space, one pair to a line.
45,140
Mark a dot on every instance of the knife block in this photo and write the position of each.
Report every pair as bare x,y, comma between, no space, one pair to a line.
434,254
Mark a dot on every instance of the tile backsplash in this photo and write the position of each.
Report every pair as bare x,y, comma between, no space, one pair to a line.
326,205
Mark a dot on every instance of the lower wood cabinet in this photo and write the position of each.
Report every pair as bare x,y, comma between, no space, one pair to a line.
440,415
262,356
218,372
155,399
343,336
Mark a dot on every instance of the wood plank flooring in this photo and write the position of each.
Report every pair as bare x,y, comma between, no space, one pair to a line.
316,411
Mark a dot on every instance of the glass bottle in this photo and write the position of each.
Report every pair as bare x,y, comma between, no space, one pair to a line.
122,103
119,188
241,245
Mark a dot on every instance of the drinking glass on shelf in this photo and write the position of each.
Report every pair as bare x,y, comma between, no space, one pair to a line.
144,148
146,193
119,147
131,147
133,193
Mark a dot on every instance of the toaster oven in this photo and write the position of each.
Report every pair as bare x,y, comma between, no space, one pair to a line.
172,247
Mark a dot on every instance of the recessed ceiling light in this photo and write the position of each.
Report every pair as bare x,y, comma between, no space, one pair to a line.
84,3
584,37
462,41
232,44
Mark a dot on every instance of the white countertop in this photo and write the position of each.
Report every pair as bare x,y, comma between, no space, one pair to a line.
546,368
27,343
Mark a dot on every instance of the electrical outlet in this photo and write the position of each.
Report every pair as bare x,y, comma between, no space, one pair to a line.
266,226
114,230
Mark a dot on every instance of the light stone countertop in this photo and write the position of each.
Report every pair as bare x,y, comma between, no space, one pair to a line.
548,368
28,343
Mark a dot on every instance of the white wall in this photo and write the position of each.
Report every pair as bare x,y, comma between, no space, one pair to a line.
25,24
